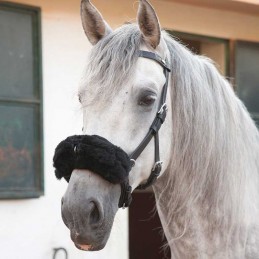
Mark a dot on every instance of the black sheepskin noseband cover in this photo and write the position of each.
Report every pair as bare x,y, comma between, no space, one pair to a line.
94,153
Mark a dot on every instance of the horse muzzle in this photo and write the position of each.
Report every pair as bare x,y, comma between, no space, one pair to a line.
89,212
97,172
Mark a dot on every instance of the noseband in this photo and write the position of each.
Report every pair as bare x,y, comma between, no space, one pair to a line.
110,162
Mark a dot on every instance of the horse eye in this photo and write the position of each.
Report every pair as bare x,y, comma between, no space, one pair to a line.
147,100
79,98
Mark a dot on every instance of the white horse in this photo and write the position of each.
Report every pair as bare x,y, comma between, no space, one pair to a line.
207,194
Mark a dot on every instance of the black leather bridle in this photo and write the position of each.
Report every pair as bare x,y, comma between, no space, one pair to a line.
100,156
125,198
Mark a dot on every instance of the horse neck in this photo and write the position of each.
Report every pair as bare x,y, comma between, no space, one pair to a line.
201,235
208,211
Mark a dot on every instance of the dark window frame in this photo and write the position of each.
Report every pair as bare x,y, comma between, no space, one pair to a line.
236,44
230,58
204,38
37,102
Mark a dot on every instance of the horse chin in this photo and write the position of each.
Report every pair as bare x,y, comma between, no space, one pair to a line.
90,242
90,247
91,239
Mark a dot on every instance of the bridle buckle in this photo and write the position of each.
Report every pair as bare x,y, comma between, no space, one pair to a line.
133,162
158,163
163,108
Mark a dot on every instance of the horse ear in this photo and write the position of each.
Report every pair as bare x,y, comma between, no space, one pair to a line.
94,25
149,24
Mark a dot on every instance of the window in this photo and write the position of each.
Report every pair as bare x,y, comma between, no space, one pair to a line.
21,143
247,75
215,48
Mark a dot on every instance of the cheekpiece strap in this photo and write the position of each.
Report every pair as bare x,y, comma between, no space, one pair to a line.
156,124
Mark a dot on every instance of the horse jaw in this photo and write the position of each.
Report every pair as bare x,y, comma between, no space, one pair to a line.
88,209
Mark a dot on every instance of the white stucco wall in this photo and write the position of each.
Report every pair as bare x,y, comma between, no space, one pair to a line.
30,229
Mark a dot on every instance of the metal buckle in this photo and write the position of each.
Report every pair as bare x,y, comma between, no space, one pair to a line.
163,108
133,162
164,64
156,164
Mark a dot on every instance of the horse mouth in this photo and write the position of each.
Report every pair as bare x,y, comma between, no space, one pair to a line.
88,242
89,247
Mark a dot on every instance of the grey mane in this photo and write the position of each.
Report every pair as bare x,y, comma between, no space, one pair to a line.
215,150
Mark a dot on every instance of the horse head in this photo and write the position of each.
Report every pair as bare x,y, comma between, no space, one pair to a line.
120,94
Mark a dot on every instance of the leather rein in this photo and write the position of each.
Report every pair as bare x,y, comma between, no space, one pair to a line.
125,198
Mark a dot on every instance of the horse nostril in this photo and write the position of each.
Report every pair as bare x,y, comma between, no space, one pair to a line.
95,213
62,201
